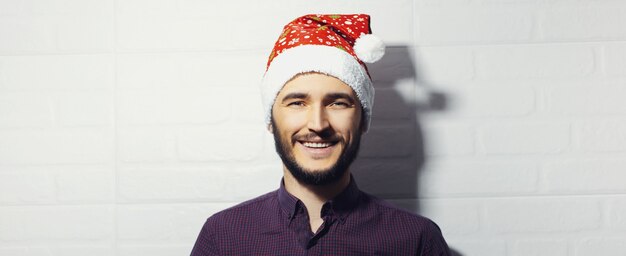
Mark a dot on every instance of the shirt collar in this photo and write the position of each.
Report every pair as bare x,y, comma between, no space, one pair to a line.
341,205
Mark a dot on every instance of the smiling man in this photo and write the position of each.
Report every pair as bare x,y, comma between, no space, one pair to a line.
318,96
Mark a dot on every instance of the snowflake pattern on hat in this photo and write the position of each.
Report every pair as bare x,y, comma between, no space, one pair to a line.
316,29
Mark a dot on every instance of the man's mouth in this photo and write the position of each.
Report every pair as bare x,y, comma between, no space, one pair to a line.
318,149
317,144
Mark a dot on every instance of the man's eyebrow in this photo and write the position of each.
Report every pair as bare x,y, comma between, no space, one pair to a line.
340,95
294,95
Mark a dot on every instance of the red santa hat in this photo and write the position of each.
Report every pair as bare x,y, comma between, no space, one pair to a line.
335,45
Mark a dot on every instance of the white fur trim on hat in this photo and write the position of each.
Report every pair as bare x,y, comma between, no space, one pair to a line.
317,58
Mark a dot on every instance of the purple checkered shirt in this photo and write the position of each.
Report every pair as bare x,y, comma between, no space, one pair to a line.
355,223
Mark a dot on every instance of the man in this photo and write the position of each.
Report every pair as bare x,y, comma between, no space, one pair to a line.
317,97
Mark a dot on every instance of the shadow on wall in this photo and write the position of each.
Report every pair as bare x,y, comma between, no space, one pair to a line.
392,152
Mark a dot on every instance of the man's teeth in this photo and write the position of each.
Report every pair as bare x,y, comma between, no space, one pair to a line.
316,145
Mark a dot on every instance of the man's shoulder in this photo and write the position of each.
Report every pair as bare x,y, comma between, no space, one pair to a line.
408,227
397,216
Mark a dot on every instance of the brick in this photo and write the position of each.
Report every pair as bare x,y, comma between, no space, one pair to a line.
535,61
585,176
213,184
91,32
241,68
617,212
75,223
395,67
603,135
524,138
261,179
65,25
586,100
446,214
84,108
147,144
477,178
440,3
539,247
469,24
388,141
53,184
259,35
615,59
247,110
162,222
567,21
445,64
172,29
600,246
269,148
498,101
24,251
447,139
203,143
8,8
83,250
31,34
159,7
141,31
66,7
145,71
25,110
158,249
540,215
56,146
85,184
56,72
200,105
59,250
173,71
390,105
393,177
484,247
21,186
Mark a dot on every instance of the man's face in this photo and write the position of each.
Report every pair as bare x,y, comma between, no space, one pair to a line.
316,123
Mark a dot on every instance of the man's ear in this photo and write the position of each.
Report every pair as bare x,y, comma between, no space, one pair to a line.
363,125
270,128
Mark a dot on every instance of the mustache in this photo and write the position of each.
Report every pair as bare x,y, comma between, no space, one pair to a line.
317,136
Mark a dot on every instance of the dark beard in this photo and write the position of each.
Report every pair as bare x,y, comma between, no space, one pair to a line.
315,177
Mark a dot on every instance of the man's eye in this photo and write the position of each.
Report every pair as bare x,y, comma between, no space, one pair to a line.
340,104
296,104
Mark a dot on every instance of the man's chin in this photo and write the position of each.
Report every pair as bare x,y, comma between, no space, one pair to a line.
318,172
316,169
317,176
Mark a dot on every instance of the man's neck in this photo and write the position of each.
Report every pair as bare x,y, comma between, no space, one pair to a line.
314,196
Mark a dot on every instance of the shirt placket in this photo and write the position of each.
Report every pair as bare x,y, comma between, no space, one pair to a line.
309,240
315,246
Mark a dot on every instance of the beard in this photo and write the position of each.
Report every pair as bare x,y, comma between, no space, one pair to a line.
315,177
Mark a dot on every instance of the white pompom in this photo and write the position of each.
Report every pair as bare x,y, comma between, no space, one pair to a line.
369,48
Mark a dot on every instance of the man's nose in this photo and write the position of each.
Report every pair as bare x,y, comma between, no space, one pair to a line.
318,119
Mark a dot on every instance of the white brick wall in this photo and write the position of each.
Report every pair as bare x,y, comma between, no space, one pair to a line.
124,124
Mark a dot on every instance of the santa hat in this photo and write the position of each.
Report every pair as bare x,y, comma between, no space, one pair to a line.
335,45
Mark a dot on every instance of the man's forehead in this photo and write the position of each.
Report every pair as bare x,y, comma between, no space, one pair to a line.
316,83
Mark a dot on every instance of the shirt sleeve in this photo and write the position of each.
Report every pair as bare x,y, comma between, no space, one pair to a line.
433,243
205,244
